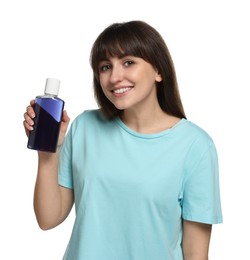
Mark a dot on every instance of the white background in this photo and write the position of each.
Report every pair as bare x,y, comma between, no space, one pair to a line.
209,42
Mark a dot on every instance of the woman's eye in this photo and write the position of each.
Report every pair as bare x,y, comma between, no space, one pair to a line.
128,63
105,67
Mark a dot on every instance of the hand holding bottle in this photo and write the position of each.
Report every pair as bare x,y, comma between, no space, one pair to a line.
43,119
28,122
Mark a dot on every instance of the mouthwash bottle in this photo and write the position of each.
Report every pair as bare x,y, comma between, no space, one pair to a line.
48,110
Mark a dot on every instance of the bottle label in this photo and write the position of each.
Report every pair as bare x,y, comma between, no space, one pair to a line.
53,106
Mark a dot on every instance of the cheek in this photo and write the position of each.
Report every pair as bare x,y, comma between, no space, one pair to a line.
105,89
103,80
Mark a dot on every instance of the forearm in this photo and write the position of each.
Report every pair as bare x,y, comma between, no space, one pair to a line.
190,253
47,194
196,238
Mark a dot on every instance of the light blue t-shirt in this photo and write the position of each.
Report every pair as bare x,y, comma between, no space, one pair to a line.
132,190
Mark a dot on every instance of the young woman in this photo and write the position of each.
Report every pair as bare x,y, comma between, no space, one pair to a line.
144,179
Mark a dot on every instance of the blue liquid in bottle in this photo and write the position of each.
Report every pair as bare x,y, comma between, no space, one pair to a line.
48,109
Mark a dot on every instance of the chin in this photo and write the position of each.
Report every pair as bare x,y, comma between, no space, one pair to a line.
121,106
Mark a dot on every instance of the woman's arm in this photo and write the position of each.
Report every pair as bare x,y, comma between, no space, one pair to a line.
52,203
196,238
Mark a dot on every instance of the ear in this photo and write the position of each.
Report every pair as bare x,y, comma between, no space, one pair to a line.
158,77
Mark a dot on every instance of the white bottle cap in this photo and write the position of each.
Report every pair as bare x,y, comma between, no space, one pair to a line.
52,86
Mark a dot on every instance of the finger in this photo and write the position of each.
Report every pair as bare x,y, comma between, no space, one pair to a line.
32,102
31,105
30,111
27,127
65,117
28,122
28,119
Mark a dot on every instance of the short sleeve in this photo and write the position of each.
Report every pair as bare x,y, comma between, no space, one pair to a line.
201,194
65,175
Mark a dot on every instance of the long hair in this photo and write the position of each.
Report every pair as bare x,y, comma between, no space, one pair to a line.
137,38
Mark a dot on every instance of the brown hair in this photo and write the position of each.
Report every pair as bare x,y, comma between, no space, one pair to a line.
137,38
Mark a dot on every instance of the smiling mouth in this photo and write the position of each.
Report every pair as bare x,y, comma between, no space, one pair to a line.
121,90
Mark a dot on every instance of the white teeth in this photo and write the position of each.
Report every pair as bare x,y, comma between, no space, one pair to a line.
121,90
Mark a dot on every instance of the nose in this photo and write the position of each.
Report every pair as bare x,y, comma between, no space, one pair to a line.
116,74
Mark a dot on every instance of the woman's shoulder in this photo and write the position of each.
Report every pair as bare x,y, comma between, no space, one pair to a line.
90,119
90,115
195,132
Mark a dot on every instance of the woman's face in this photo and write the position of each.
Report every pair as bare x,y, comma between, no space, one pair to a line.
128,82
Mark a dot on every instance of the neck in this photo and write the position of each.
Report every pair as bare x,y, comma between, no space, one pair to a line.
150,120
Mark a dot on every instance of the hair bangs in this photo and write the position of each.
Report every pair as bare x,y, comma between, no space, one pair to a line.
117,42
